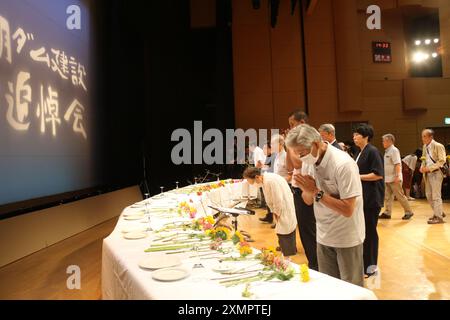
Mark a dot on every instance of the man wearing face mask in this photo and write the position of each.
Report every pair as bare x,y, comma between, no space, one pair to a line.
305,213
336,194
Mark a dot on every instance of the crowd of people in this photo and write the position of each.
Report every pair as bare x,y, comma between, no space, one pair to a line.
334,194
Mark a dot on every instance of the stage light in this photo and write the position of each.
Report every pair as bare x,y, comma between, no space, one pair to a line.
427,42
420,57
418,42
434,55
436,40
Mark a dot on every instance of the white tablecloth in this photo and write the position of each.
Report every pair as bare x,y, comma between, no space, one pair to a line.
122,278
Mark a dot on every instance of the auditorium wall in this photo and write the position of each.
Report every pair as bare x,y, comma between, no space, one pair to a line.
344,84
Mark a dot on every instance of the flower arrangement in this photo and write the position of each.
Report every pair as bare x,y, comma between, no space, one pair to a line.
203,224
216,244
280,269
237,238
185,207
219,232
244,248
423,159
267,256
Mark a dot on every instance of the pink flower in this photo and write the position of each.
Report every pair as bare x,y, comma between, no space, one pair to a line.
207,226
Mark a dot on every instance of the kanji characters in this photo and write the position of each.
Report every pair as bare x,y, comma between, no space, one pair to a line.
76,110
19,99
21,37
48,109
40,55
5,40
60,63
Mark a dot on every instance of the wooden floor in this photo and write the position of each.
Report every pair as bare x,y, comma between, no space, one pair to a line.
414,260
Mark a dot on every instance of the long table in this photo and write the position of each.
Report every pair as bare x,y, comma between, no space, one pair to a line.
122,278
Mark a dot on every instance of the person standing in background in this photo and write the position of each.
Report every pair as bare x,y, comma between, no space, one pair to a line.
305,213
435,159
370,163
409,164
328,134
279,166
393,179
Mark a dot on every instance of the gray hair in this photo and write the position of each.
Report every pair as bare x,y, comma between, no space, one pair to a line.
277,138
328,128
389,137
303,135
429,132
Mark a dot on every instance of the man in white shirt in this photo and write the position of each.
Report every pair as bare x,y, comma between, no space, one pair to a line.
336,193
393,179
259,158
279,166
280,200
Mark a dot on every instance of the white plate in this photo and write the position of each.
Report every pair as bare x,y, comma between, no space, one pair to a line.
135,235
136,213
159,262
133,229
170,274
133,217
223,267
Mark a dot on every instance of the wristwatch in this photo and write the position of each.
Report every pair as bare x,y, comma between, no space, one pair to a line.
319,195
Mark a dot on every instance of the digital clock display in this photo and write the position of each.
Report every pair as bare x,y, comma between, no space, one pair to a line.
381,52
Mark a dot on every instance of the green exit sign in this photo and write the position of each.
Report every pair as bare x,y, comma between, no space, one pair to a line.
447,121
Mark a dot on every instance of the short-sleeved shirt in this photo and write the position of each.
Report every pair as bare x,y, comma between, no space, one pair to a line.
410,161
279,166
391,159
338,175
280,199
371,161
258,155
270,162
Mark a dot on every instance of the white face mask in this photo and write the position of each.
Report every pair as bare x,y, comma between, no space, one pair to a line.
310,159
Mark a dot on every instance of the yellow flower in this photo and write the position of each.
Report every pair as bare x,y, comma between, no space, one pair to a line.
304,273
271,249
244,249
210,220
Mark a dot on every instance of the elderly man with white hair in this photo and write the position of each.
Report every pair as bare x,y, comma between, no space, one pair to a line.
434,153
328,134
336,193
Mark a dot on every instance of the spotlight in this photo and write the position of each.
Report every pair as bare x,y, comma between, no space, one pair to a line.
434,55
420,57
418,42
436,40
427,42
